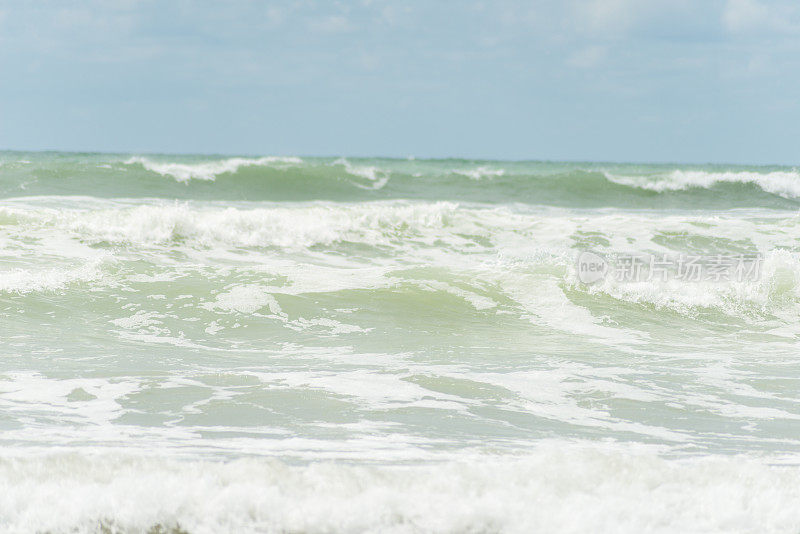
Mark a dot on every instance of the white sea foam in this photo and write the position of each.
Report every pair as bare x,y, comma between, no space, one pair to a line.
26,280
139,320
430,349
332,326
479,302
92,401
209,170
480,172
776,288
783,183
277,226
561,487
302,225
377,176
248,298
443,233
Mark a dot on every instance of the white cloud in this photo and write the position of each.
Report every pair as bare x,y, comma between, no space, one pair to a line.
751,16
741,15
610,15
616,18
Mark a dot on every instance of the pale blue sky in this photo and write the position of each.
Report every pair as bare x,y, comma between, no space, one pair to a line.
623,80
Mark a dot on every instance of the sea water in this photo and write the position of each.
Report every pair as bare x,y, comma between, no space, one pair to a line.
212,344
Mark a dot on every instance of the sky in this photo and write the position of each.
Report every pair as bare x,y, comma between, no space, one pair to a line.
603,80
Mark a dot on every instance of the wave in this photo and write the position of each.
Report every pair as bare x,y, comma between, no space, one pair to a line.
480,172
492,243
376,175
776,290
278,226
573,486
280,178
22,280
209,170
783,183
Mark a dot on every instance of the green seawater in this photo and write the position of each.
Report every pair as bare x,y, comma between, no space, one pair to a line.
301,344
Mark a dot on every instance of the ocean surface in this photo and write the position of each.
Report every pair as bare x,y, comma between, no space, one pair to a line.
213,344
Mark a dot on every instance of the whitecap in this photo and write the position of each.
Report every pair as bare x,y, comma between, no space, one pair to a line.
379,177
783,183
24,280
209,170
615,488
480,172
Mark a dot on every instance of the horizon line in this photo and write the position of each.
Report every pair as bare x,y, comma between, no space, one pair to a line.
397,158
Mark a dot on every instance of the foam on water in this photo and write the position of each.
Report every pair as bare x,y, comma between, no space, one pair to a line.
279,178
25,280
499,243
783,183
561,487
379,177
273,226
776,289
480,172
208,170
374,345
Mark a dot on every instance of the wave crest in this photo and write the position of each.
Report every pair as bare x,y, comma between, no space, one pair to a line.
209,170
480,172
284,227
777,289
379,177
22,280
783,183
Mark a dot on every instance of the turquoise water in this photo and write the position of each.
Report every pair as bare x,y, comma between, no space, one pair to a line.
285,344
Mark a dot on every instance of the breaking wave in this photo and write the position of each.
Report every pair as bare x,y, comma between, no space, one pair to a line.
493,243
280,178
209,170
776,290
26,280
561,487
198,344
279,226
783,183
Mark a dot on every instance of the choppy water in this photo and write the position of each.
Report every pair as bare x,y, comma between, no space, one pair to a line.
369,345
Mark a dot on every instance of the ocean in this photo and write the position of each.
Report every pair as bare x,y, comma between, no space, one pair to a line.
215,344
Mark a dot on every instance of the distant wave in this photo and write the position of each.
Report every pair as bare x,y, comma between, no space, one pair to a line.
480,172
278,178
376,175
208,170
783,183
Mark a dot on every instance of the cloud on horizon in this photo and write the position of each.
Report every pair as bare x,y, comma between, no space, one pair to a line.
609,79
